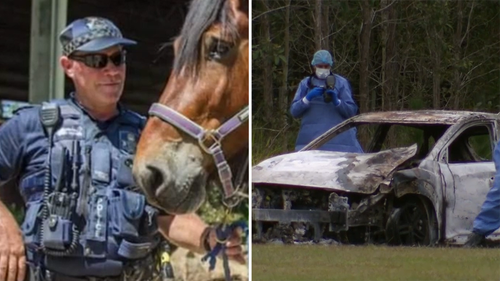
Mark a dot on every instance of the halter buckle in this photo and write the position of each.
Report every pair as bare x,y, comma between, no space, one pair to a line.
209,135
233,200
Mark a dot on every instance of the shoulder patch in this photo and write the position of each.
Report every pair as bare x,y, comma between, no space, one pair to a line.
128,141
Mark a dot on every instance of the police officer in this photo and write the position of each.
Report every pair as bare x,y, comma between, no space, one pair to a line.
322,106
85,219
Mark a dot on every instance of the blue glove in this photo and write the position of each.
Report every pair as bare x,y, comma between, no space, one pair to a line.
335,96
316,92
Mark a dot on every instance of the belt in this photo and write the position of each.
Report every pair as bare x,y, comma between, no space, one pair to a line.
34,275
61,277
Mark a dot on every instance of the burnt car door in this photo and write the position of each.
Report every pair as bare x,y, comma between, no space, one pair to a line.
468,171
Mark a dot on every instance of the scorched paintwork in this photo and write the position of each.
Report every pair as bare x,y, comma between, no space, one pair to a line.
426,193
352,172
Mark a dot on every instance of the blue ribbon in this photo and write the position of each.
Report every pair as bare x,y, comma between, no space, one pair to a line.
223,232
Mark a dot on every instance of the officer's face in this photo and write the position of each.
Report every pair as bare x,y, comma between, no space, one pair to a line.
96,76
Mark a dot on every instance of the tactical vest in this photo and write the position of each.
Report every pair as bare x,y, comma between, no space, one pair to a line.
94,222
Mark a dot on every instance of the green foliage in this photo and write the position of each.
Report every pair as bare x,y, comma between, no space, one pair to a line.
416,103
268,142
18,213
482,146
213,210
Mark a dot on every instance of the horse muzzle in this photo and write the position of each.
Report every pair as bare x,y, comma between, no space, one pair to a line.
174,180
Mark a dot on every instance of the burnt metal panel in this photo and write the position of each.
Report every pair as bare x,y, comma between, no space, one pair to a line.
353,172
466,187
422,117
287,216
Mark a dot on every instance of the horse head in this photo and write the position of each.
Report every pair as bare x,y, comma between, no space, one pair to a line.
199,121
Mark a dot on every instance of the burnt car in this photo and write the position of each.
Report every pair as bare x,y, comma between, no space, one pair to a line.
421,180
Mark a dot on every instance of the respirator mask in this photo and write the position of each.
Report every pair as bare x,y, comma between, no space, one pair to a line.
322,73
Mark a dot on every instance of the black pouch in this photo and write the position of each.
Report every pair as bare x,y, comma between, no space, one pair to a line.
96,229
31,224
126,212
130,250
57,233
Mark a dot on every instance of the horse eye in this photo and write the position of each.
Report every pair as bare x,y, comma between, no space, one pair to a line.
218,50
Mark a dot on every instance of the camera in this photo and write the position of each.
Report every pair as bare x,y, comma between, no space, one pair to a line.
330,85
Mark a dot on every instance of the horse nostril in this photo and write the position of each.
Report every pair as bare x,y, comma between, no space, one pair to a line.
193,159
156,179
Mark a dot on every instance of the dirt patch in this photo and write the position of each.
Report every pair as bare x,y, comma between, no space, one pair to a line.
189,267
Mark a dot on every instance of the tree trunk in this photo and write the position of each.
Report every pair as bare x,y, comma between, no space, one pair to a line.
436,69
389,62
267,74
318,30
364,57
325,41
457,41
283,95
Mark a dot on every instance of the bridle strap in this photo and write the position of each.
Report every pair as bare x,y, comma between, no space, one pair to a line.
171,116
199,133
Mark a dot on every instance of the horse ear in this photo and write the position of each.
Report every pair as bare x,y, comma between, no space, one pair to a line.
240,12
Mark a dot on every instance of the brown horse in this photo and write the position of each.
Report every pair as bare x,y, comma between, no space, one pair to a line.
184,143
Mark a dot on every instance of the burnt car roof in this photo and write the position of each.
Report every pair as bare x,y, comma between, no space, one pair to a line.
423,116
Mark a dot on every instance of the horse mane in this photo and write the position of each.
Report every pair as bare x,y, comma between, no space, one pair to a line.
202,14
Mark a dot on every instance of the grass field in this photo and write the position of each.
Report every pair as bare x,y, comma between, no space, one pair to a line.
278,262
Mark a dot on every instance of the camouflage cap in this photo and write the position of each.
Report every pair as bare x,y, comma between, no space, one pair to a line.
91,34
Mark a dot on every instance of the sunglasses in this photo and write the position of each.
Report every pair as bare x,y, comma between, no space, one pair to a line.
100,60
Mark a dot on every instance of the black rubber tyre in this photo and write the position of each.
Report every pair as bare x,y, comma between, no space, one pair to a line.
412,224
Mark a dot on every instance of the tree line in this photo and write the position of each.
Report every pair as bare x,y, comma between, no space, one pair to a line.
397,55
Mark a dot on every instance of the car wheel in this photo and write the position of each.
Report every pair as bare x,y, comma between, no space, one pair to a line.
411,225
